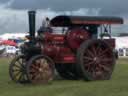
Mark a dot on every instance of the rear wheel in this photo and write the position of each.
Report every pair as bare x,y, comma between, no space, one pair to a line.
40,69
17,70
95,60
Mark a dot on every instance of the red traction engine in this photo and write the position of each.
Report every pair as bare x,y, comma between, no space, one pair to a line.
83,49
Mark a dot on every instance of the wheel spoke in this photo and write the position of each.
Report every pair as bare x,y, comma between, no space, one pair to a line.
106,60
16,75
34,66
21,77
99,48
33,71
37,77
17,66
42,61
21,64
89,63
38,61
88,58
34,75
105,68
94,50
99,51
89,53
90,67
15,70
104,51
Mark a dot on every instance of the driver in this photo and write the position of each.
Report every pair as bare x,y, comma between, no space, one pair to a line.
45,26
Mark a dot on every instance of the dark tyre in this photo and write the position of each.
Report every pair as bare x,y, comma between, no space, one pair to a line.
17,70
95,60
40,69
67,71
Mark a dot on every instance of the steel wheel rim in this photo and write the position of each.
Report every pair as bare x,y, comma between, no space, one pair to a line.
98,61
40,70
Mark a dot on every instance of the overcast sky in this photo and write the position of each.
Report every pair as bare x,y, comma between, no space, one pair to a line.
13,13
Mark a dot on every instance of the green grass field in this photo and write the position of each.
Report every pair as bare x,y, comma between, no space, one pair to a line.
117,86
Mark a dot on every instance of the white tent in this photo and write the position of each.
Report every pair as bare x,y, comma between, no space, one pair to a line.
122,45
12,35
121,42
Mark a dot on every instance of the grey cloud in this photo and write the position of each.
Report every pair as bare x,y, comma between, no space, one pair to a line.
3,1
13,14
108,7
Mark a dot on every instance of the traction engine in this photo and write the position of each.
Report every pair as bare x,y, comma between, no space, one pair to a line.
78,53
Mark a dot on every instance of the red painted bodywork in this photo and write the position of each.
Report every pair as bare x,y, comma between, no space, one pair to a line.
62,48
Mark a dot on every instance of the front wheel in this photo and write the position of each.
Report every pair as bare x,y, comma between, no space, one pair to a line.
17,70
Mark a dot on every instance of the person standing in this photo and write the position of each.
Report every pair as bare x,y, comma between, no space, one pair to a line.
45,26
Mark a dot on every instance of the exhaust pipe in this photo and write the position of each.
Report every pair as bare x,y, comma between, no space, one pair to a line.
31,18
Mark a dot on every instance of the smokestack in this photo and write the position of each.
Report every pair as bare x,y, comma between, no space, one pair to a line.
31,16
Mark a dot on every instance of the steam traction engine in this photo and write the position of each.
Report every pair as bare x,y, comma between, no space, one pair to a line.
79,52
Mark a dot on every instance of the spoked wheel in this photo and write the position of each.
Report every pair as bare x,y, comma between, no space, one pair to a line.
95,60
67,71
40,69
17,70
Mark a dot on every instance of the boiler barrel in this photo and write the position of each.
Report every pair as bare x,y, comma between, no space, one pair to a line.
31,16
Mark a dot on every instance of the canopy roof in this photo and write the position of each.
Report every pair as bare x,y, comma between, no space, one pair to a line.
62,20
9,42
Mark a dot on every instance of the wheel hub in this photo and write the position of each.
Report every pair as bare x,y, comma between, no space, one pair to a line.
40,70
95,58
